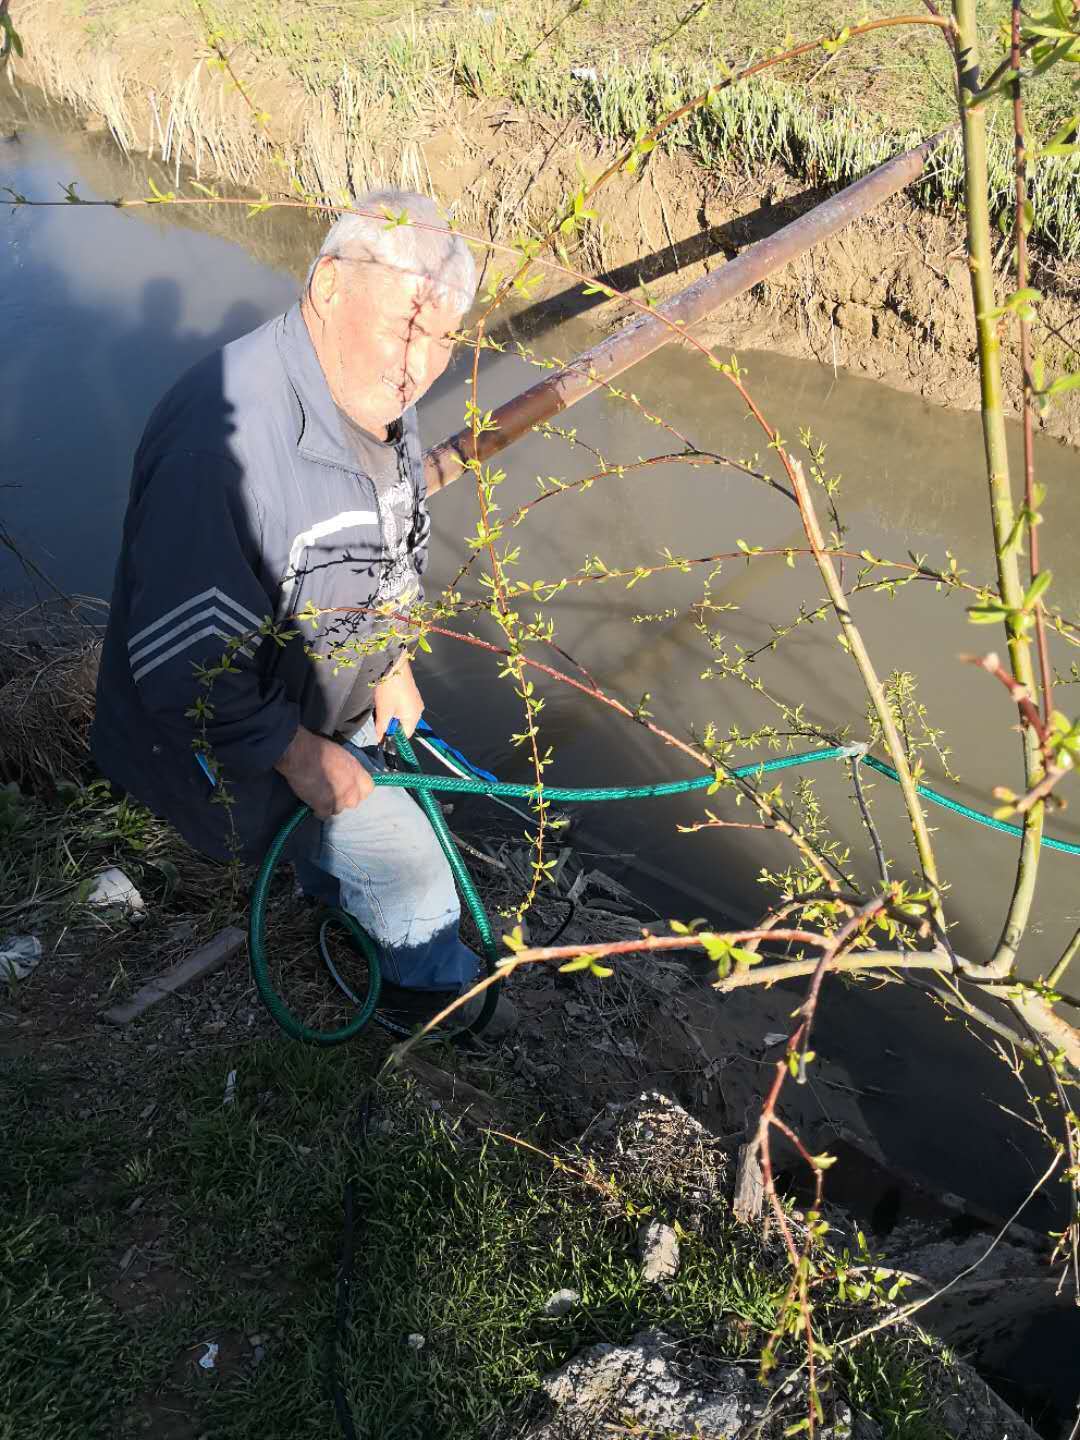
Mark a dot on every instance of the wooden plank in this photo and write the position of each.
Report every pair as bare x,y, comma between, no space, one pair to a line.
749,1185
462,1100
204,961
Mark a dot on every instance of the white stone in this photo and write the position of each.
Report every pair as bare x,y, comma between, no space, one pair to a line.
561,1303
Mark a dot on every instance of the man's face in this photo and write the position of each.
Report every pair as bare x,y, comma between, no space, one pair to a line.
386,339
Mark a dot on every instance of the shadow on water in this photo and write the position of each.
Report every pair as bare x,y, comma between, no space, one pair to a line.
77,385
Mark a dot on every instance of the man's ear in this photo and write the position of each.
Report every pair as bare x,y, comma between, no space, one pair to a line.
324,286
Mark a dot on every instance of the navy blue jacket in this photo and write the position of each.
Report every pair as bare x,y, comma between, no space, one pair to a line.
246,507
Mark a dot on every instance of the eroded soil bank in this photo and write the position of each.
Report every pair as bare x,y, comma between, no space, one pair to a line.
889,298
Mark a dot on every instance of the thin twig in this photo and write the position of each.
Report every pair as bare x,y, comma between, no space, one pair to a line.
868,821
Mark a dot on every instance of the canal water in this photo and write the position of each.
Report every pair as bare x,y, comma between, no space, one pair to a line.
102,309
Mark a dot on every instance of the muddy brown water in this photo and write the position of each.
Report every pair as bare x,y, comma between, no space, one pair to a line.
102,310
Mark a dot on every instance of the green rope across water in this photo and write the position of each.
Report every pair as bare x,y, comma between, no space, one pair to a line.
426,786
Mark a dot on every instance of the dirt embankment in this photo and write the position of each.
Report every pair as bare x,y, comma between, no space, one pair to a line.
888,298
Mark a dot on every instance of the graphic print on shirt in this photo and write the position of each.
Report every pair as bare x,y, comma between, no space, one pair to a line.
399,584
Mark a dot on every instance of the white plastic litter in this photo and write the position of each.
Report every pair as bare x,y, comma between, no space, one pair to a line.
209,1360
112,887
415,1341
19,954
774,1037
230,1088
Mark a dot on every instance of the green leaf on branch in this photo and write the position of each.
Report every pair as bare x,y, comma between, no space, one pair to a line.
586,962
993,613
1060,386
1021,303
1058,144
1037,588
832,46
515,941
723,953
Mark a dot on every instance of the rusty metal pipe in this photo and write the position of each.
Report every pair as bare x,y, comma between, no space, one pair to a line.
647,333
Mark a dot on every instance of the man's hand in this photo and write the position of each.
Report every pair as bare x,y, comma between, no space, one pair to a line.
397,697
323,774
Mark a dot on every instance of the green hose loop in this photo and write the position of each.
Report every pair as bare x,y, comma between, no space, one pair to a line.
294,1028
425,787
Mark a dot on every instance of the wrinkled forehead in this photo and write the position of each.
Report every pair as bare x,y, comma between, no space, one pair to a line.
415,300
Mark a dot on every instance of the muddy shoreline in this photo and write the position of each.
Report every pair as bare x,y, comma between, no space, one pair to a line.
888,298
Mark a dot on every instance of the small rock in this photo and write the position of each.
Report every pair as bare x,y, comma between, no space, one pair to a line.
255,1341
415,1341
658,1246
561,1303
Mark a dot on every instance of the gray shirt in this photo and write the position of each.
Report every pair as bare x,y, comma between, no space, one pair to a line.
386,464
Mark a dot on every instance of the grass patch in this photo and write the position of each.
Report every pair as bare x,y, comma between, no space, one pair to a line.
127,1243
63,1332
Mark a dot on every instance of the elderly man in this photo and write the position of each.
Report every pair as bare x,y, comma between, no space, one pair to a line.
282,473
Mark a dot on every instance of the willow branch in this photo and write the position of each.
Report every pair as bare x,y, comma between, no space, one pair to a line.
857,962
856,648
1027,387
1071,952
980,253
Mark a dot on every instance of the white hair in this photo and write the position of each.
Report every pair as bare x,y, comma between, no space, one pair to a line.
427,248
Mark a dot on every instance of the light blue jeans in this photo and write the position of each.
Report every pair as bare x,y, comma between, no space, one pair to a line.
383,864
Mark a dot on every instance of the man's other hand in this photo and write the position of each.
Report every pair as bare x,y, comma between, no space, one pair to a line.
397,697
323,774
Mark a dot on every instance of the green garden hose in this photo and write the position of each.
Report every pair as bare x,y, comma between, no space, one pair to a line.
425,787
